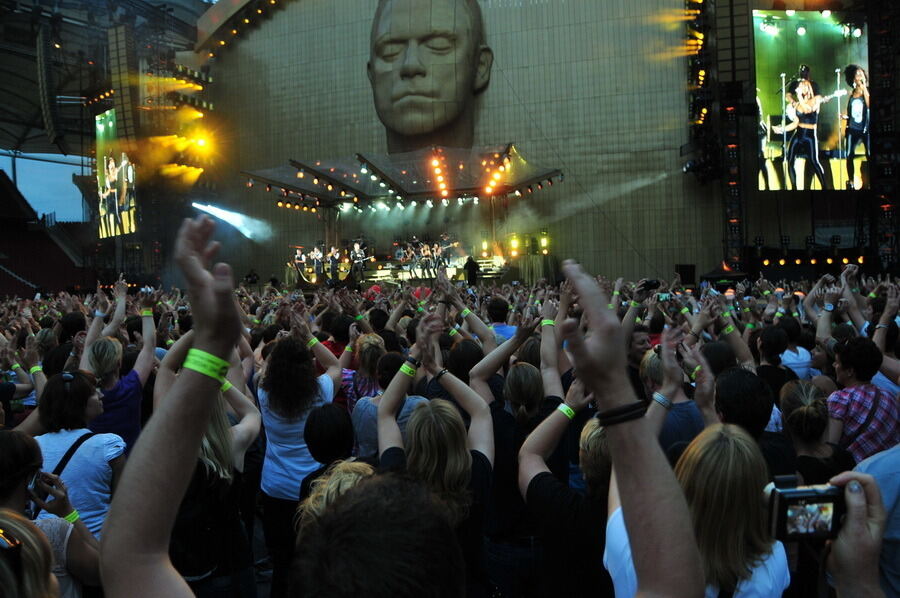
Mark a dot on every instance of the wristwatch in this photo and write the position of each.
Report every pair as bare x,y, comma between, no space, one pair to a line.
413,361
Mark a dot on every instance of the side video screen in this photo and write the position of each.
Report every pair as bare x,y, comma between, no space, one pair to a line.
117,205
812,93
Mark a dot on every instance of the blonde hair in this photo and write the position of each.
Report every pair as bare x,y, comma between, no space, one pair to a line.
37,559
651,368
723,474
437,453
593,455
524,390
105,358
215,448
804,410
369,349
340,477
46,340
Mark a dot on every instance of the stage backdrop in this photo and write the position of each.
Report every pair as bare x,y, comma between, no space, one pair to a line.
596,89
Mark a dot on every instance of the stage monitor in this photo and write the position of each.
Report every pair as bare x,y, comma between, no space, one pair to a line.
812,74
117,205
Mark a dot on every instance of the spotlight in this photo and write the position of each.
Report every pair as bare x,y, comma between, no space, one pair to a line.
826,13
364,170
413,204
798,261
857,32
781,262
280,204
445,202
860,259
801,30
813,261
846,260
765,262
289,205
829,261
429,203
790,13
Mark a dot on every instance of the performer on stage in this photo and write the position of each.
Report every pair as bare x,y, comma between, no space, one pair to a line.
318,261
426,262
806,100
857,117
334,260
358,261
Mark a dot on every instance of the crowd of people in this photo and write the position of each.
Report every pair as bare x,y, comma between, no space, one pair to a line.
583,437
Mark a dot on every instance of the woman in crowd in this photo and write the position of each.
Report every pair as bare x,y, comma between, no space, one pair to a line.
771,343
209,546
76,553
289,390
68,405
723,475
363,381
26,559
454,464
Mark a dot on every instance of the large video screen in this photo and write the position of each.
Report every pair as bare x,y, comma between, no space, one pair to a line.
116,196
812,93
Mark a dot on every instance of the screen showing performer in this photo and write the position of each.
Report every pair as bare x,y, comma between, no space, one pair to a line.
116,205
812,94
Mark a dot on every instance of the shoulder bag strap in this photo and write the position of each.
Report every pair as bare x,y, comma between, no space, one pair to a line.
65,461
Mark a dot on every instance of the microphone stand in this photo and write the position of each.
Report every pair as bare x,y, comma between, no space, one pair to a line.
784,158
837,85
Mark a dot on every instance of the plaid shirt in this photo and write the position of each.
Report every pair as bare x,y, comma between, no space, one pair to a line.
852,406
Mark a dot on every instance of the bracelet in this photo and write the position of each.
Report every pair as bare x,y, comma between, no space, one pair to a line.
408,370
616,293
73,516
779,315
696,370
872,295
548,323
348,348
622,414
453,332
423,301
312,343
659,398
728,329
169,342
685,310
35,369
420,309
226,385
635,304
829,307
766,293
441,373
465,312
206,364
611,306
359,317
566,410
256,320
99,314
146,312
749,326
878,326
795,314
746,310
15,366
637,320
412,361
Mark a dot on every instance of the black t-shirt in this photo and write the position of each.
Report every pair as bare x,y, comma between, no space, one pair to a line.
779,454
819,470
573,530
775,377
470,530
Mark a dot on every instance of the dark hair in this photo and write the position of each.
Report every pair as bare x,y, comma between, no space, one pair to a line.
20,456
387,528
773,341
862,355
47,321
639,328
185,322
804,410
133,324
340,329
387,367
743,398
328,434
792,327
498,309
129,358
657,323
290,379
270,332
391,340
807,339
850,73
378,318
890,339
463,357
530,352
411,327
64,400
72,323
55,359
719,355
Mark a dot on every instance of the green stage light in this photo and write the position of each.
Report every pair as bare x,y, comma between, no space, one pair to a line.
801,30
857,32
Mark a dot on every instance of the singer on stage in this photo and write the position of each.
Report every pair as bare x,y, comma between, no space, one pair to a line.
857,117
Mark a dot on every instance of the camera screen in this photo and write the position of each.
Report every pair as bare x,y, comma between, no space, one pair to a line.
809,518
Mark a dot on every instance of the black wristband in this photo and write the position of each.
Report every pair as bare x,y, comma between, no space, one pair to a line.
413,361
439,374
622,414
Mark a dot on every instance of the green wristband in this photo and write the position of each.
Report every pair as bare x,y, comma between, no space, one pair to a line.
616,293
359,317
465,312
453,332
206,364
548,323
226,385
73,516
348,349
408,370
872,295
15,366
779,315
35,369
685,310
566,410
420,309
170,342
312,343
610,306
746,310
728,329
146,312
750,326
795,314
694,373
635,304
766,293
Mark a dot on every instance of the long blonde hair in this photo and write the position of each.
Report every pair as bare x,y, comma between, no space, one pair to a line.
215,449
723,474
105,358
340,477
437,453
37,560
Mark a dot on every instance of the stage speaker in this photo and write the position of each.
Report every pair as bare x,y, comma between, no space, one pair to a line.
47,90
123,68
687,272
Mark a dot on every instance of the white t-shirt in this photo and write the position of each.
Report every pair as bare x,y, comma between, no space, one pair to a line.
88,475
800,362
288,460
769,578
58,531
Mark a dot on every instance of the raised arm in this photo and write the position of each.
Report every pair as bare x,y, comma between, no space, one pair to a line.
494,360
326,358
143,365
120,291
549,352
135,550
656,515
891,306
101,306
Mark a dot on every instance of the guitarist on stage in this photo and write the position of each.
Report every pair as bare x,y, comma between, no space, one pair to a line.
358,261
